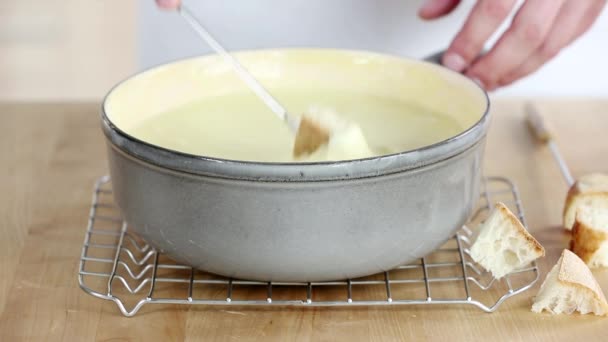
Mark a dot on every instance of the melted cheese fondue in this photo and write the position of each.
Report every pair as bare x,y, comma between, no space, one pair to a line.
239,127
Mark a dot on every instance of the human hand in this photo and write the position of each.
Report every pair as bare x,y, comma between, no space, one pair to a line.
168,4
539,31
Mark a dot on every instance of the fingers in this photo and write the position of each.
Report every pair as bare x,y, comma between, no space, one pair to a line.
168,4
432,9
485,17
529,29
574,19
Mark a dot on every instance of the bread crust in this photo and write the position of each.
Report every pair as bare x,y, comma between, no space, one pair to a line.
309,138
574,272
571,275
592,185
504,210
494,259
586,240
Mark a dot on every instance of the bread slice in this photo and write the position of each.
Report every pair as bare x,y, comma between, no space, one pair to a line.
323,131
590,236
589,190
503,244
570,286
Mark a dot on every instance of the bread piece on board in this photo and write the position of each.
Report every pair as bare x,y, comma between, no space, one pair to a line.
570,286
590,236
589,190
503,244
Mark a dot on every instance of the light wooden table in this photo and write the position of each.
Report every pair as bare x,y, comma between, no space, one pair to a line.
51,154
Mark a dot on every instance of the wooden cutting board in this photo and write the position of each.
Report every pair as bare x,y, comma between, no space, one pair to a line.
50,155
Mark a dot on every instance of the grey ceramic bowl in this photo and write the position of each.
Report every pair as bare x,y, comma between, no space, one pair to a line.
297,221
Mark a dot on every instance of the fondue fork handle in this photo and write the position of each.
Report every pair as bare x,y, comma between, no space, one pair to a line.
542,134
438,56
435,58
240,70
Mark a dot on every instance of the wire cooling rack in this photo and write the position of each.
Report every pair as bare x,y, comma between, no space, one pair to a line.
117,265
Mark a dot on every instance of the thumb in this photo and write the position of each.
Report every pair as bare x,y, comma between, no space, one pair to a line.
168,4
433,9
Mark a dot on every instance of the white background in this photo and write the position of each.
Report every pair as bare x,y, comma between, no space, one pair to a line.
75,50
388,26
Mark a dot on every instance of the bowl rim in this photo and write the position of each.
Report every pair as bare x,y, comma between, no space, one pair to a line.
295,171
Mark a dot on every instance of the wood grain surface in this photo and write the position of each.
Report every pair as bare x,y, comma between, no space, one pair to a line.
51,154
